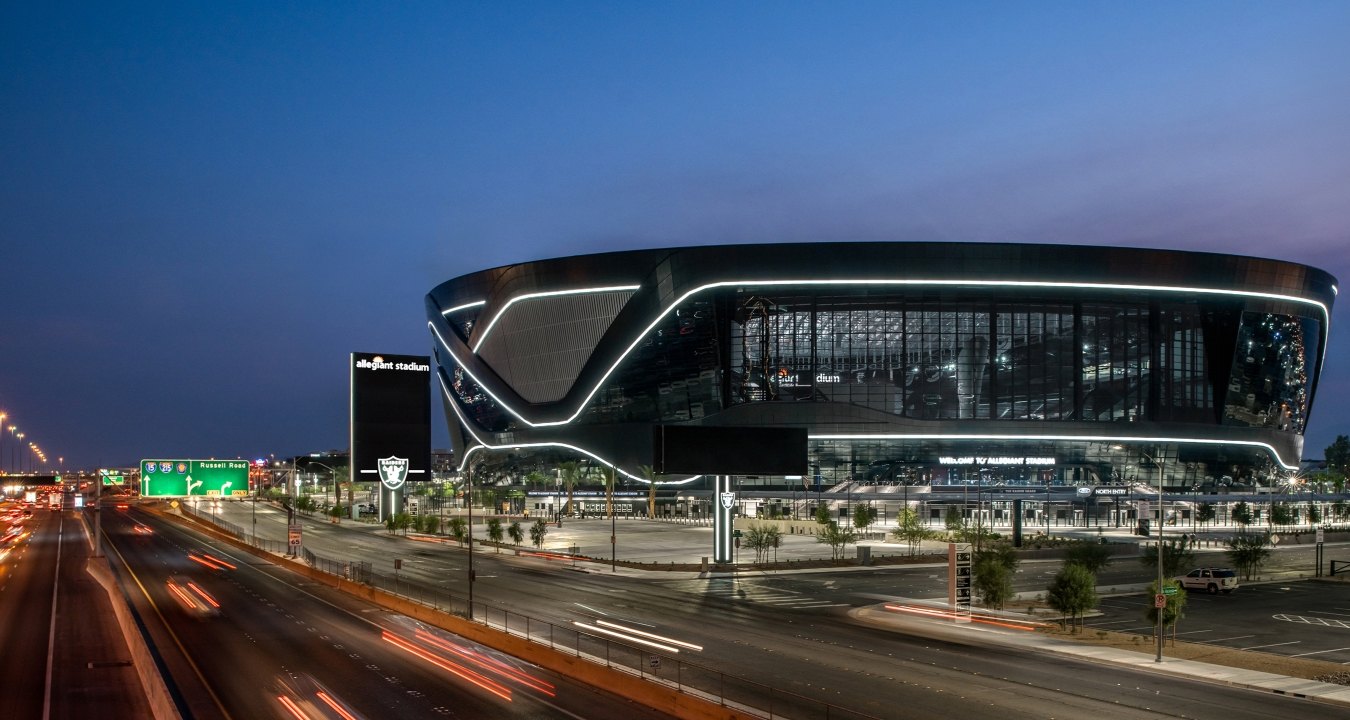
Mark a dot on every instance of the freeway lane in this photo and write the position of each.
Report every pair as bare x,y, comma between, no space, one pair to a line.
275,636
798,644
27,576
79,653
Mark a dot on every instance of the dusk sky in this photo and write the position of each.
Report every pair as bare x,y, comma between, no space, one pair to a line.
204,207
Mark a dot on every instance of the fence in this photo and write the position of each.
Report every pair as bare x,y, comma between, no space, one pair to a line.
731,691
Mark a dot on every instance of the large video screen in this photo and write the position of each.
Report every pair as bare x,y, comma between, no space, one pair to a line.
728,450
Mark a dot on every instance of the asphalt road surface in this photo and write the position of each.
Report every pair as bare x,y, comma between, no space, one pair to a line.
61,656
276,642
1296,619
793,632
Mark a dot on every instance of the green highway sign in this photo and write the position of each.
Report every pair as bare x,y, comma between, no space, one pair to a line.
1170,590
214,478
117,479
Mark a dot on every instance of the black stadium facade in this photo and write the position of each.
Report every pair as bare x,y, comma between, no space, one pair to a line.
924,365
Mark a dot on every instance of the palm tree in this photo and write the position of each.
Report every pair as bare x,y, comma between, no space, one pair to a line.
494,528
649,474
571,470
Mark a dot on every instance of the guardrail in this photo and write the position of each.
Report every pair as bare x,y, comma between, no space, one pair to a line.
732,691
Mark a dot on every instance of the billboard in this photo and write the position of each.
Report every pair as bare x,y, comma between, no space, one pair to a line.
390,418
709,450
215,478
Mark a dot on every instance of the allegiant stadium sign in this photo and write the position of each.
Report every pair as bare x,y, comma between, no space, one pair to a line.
996,460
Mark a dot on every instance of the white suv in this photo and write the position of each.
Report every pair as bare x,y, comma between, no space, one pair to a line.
1211,580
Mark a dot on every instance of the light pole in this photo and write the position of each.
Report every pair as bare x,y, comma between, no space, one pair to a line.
1161,518
337,495
2,441
19,456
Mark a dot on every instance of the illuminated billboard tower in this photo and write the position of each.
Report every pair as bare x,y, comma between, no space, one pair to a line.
390,423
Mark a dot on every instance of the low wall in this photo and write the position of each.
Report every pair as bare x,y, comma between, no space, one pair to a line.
156,692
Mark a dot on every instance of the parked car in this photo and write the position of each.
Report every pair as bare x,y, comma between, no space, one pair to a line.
1211,580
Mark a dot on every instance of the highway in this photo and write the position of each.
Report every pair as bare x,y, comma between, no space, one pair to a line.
60,659
794,632
279,647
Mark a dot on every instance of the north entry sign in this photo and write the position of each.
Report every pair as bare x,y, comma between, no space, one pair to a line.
174,478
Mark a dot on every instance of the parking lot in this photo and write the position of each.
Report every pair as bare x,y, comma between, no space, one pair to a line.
1308,619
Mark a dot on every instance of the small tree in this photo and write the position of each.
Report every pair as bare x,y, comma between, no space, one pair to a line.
1314,513
431,524
517,534
537,532
1091,556
1242,514
459,529
391,524
910,529
1205,513
495,530
337,511
837,538
1249,551
823,514
1173,609
863,516
992,579
955,521
1176,556
403,521
1281,514
1072,592
757,538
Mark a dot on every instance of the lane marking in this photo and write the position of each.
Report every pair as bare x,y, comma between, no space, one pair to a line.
51,632
1253,647
1319,652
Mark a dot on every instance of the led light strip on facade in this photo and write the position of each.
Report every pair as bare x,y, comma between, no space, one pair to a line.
535,296
1115,439
1326,316
483,445
465,306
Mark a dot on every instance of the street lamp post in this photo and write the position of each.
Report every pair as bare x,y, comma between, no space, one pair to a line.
1161,518
337,495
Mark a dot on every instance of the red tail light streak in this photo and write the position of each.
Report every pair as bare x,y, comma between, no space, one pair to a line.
211,561
450,666
489,664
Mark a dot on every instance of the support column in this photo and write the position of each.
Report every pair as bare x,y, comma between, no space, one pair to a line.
723,501
391,501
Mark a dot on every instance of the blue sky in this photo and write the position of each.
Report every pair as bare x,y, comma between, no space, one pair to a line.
205,206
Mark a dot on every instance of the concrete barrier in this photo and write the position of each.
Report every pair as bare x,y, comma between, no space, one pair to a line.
156,692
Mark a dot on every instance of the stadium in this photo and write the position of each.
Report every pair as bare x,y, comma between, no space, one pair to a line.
913,367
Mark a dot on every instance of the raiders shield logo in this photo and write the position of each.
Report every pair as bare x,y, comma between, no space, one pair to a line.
728,499
393,471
